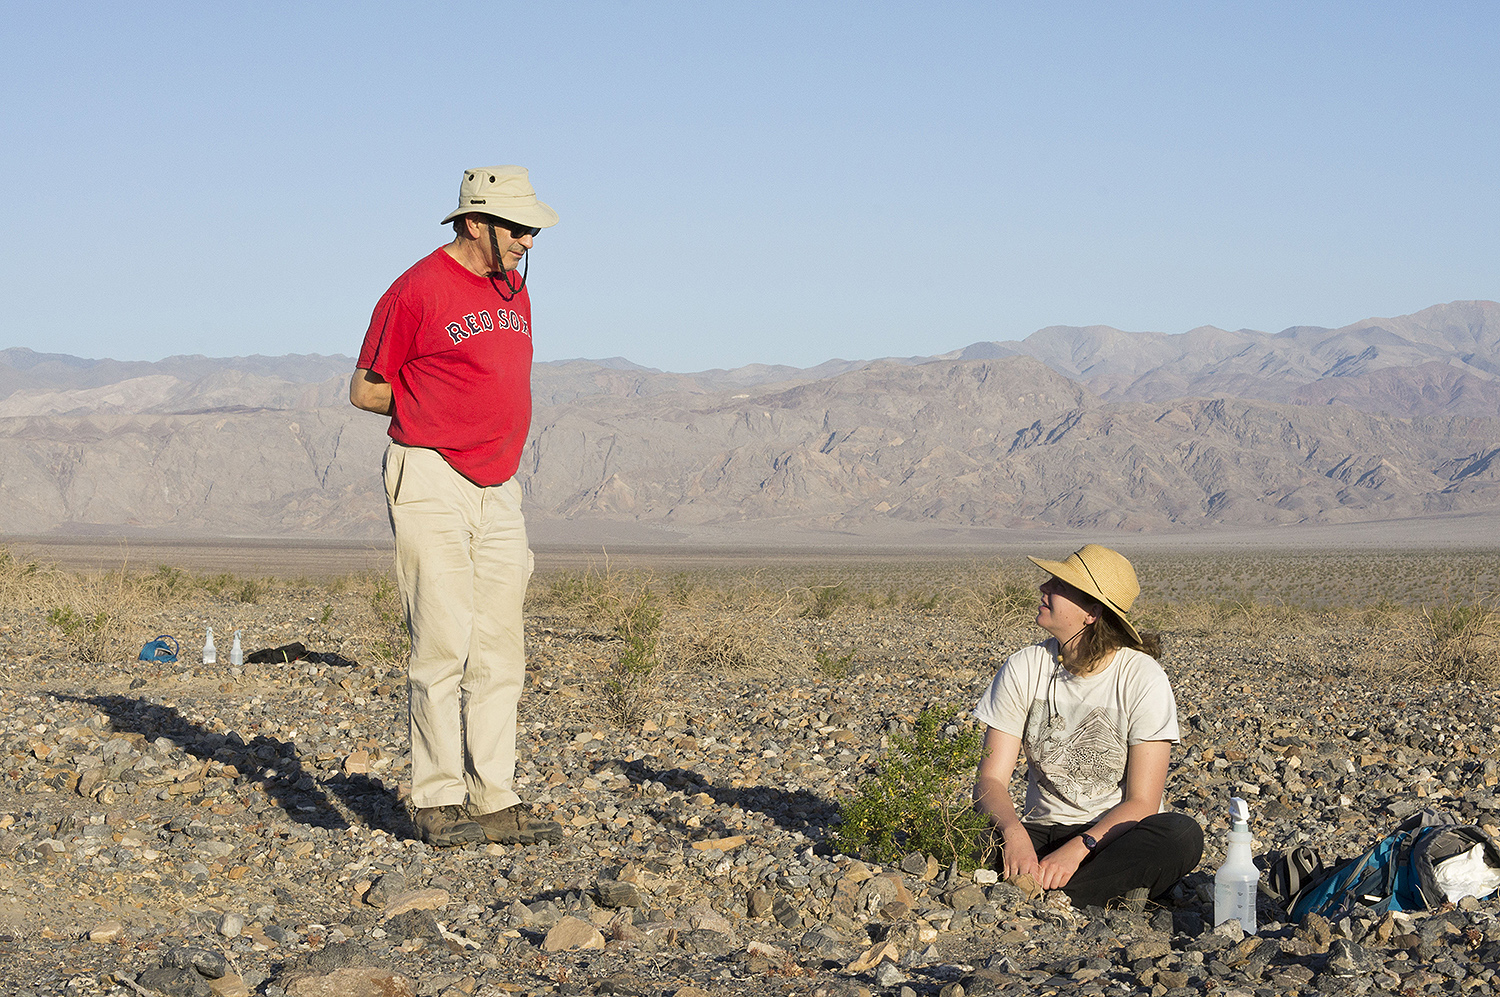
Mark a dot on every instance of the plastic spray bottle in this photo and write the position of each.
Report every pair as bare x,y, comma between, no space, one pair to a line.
209,654
236,653
1236,881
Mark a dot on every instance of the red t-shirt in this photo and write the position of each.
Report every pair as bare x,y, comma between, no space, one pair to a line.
458,358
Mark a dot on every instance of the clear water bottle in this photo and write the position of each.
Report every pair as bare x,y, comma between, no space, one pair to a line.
1237,879
210,655
236,653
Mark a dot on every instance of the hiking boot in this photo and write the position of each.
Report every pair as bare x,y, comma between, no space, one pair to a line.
1137,899
444,827
515,826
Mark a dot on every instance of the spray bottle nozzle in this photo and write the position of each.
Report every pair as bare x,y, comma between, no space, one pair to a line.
1239,814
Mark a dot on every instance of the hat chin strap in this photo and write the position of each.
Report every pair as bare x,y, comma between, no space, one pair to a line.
504,280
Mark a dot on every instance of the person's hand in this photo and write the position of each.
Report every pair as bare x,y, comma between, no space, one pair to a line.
1020,854
1059,865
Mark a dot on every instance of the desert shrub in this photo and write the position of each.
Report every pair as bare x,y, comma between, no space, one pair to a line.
24,582
1458,641
391,642
97,617
251,590
169,582
824,599
834,666
726,642
917,800
88,636
638,626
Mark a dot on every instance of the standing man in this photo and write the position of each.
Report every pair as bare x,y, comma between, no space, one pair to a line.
448,358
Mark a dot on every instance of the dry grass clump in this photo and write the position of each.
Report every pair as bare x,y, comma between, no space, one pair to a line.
377,619
1461,640
94,617
733,643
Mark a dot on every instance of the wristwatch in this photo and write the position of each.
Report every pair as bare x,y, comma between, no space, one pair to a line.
1089,841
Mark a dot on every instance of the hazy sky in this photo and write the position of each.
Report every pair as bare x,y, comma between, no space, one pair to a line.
756,182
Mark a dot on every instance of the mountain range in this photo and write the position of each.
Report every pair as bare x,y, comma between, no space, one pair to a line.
1071,428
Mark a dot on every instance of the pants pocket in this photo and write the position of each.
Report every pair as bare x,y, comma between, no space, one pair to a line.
392,470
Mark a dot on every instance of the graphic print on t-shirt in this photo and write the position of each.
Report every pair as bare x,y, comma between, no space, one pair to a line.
1081,763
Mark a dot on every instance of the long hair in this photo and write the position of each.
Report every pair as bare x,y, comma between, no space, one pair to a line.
1107,633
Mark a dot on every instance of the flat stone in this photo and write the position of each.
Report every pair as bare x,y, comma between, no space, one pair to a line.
205,962
430,899
385,889
174,981
358,981
230,985
1147,949
616,894
873,956
108,931
571,934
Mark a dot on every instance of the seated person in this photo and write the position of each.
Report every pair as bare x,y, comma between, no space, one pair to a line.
1095,715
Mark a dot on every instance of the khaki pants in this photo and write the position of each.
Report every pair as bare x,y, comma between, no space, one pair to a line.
461,566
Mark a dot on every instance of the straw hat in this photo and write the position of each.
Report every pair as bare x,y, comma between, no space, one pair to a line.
501,192
1101,573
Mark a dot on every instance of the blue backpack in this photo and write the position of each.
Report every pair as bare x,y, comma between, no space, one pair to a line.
162,649
1396,874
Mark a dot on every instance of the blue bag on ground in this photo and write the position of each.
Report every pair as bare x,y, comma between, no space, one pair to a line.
1399,872
163,648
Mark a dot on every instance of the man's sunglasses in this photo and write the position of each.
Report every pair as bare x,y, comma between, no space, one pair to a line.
516,231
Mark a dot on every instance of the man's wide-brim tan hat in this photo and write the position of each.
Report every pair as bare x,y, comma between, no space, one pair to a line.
1103,574
502,192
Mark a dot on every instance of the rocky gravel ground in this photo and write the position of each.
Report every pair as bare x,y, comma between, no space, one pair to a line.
207,829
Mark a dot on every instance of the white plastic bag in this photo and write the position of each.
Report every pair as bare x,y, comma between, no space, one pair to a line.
1467,875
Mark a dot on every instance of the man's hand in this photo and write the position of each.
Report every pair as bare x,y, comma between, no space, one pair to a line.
371,392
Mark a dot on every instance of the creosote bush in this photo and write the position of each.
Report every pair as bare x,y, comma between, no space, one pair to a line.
88,635
638,626
1462,642
918,799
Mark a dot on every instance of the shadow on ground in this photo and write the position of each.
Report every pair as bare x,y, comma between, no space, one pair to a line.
795,809
267,762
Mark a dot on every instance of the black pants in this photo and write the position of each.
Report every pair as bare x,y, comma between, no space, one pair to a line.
1155,853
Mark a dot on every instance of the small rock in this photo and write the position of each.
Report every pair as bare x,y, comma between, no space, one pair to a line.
888,974
174,981
431,899
571,934
1231,930
106,932
874,956
230,985
204,962
966,897
615,894
384,889
758,903
361,981
1147,949
231,924
785,914
413,924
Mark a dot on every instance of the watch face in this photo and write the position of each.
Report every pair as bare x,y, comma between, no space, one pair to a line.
1090,842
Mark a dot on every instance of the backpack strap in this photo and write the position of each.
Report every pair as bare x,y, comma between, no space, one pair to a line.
1292,872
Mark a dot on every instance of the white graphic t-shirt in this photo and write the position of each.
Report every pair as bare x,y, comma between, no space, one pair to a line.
1076,730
